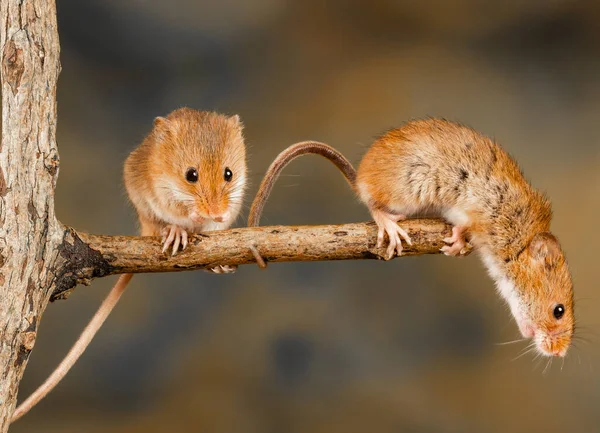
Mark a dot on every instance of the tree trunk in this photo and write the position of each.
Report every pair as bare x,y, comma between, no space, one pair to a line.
30,233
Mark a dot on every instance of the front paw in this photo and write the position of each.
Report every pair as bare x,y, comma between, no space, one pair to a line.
222,269
175,236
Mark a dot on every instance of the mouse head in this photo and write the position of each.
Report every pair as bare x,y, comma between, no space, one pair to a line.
203,159
544,306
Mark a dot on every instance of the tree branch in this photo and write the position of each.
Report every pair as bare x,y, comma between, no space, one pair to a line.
94,256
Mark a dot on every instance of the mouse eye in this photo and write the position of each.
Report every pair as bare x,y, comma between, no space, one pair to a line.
191,175
227,175
559,311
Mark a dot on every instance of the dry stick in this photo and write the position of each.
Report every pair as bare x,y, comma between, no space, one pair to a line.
355,241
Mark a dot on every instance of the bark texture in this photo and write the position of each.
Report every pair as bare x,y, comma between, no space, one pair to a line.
29,231
92,256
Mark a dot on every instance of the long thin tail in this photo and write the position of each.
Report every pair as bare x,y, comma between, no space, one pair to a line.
78,348
284,158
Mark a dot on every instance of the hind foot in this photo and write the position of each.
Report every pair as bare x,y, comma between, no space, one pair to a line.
388,224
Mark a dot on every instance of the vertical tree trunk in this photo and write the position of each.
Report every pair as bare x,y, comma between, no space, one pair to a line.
29,232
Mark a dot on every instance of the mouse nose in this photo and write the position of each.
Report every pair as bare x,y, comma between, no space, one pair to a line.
560,349
221,217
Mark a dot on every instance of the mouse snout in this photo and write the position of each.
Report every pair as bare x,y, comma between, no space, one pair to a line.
221,216
201,215
554,343
552,347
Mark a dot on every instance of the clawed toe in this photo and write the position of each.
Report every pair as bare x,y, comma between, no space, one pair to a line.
174,237
396,234
451,250
458,246
388,225
393,245
404,235
222,269
380,236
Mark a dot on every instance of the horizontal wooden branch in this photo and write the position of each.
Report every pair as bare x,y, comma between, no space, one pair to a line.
94,256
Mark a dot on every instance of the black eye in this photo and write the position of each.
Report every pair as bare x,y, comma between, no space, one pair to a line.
559,311
191,175
228,175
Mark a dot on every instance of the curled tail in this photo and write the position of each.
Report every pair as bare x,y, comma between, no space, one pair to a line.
78,348
284,158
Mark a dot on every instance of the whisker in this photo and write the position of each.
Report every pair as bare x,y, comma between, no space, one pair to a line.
281,175
529,350
538,362
510,342
587,330
584,298
538,357
582,340
548,364
182,197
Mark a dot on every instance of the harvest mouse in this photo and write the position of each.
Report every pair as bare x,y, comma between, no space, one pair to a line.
441,167
187,176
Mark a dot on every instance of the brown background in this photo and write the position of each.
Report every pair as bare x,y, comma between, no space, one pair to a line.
405,346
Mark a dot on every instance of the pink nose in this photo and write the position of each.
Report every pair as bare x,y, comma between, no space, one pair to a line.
560,352
220,218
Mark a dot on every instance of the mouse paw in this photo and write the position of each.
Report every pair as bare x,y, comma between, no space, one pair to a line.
222,269
458,244
174,236
388,224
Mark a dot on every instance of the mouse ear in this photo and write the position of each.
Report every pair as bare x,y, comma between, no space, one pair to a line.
544,248
160,121
235,119
162,128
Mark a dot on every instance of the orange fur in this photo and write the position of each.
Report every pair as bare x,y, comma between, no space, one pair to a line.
155,171
155,178
442,167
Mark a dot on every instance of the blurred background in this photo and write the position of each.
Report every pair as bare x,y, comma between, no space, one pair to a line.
405,346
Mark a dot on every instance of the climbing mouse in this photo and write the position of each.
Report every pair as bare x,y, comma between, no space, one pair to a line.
444,168
452,170
187,176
